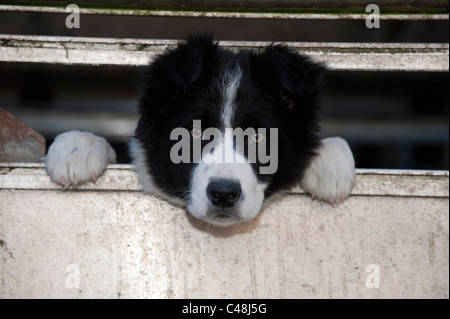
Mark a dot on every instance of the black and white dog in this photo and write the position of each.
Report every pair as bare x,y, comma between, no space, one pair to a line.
220,131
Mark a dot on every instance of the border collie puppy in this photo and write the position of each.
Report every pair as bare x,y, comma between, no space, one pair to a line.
221,131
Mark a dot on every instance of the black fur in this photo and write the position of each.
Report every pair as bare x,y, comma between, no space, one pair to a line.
279,89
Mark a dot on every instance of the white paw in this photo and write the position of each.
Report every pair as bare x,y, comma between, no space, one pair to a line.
331,174
78,157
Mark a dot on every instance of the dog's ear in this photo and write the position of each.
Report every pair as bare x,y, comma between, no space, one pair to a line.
176,70
297,79
184,65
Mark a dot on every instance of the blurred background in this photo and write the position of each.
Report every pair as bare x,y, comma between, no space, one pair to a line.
394,120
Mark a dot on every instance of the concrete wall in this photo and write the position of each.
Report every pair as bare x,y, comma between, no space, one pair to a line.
107,240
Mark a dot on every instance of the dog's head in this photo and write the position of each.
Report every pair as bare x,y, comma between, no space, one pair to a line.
220,131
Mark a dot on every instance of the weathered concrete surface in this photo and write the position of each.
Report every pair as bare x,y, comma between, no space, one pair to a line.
123,244
18,141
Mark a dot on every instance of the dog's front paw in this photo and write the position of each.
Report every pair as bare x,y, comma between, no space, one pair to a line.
331,174
78,157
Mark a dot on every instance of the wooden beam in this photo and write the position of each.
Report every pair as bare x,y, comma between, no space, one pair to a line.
121,177
288,14
137,52
230,7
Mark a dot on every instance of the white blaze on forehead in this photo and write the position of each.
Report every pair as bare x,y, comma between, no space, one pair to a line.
226,163
232,80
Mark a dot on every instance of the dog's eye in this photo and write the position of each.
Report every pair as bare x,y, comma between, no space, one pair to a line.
196,133
257,138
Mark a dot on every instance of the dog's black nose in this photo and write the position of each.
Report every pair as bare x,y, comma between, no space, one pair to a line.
224,192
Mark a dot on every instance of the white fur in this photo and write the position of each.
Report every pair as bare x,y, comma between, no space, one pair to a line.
145,178
220,164
331,174
214,166
232,81
77,157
